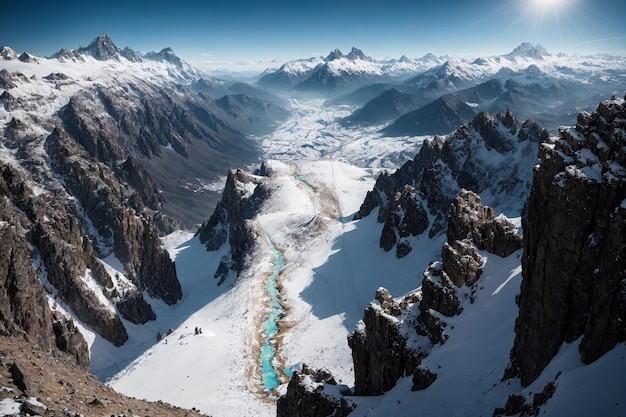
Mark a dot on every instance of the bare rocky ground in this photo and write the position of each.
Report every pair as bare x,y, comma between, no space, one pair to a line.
64,388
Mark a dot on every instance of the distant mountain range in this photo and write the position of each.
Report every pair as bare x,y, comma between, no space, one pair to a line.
338,72
432,95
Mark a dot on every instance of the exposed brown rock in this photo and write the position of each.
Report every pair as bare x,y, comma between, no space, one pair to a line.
461,263
119,216
23,301
62,388
439,293
469,219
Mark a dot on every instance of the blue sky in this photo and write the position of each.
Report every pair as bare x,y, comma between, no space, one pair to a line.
227,32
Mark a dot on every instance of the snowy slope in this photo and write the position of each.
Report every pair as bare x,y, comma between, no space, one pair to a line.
325,284
470,364
320,174
333,268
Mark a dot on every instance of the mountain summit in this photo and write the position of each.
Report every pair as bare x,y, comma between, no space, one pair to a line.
102,48
354,55
165,54
336,54
528,50
357,54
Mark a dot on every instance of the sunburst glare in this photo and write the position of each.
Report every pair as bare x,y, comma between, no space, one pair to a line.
548,13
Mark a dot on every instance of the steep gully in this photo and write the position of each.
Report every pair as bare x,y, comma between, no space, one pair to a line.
270,370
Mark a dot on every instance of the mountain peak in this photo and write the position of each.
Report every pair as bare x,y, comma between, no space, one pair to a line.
336,54
101,48
7,53
27,57
356,53
165,54
528,50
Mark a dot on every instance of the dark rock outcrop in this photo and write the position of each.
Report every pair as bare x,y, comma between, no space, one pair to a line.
230,222
469,219
489,155
422,379
395,335
134,308
574,260
314,394
379,344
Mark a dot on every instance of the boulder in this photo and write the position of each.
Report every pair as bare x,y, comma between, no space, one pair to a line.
314,394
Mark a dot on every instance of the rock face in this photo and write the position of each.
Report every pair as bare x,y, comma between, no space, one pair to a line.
395,335
575,245
469,219
314,394
119,217
24,308
169,141
230,222
490,155
379,344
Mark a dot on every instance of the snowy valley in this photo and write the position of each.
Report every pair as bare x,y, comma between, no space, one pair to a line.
282,249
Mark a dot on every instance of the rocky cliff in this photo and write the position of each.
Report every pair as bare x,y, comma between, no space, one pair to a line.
121,222
574,262
314,394
172,142
491,155
24,306
395,335
230,222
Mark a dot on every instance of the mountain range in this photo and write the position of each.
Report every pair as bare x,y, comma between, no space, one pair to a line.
233,251
531,82
338,72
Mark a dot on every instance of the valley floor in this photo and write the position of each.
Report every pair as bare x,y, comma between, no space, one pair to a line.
333,267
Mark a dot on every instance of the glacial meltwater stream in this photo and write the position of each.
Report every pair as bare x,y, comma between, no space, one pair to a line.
268,351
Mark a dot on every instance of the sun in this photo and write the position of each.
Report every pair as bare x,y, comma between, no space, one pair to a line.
549,3
548,13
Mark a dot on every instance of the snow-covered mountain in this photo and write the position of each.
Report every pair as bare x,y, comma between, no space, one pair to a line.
102,149
528,81
106,152
143,107
444,348
339,72
527,50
